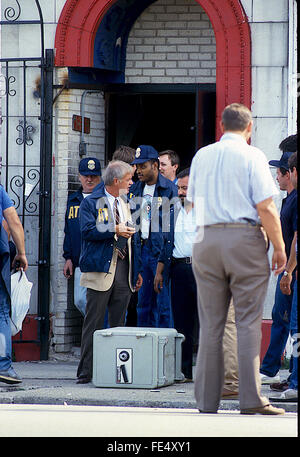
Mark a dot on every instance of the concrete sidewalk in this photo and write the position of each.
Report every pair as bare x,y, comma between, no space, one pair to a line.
54,382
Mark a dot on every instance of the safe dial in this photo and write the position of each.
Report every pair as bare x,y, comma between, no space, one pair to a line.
124,356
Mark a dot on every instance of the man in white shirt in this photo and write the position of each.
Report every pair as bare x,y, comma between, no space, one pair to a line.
232,200
175,262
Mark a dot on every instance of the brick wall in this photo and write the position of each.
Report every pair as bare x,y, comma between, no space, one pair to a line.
172,42
66,320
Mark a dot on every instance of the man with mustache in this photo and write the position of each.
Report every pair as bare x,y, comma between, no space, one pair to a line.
89,177
175,262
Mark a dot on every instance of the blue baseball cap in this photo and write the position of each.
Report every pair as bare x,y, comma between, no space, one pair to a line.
144,153
283,162
89,166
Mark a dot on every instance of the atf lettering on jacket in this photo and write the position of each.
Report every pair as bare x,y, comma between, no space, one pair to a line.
102,215
73,212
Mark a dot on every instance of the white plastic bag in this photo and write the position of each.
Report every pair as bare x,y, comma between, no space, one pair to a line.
20,298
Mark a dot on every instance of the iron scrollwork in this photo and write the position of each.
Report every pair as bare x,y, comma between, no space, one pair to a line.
17,182
32,174
11,14
25,134
7,82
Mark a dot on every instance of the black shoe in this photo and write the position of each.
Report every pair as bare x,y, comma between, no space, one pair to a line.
9,376
83,380
208,411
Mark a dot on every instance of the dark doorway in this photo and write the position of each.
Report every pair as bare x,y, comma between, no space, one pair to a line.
181,119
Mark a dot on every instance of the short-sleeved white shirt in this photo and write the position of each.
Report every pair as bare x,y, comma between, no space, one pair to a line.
184,233
227,180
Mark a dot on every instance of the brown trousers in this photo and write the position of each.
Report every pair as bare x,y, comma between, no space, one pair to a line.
230,262
116,300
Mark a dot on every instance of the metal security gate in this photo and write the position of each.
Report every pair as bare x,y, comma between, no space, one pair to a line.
26,148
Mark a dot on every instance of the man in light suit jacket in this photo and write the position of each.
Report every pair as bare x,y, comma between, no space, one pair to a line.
110,257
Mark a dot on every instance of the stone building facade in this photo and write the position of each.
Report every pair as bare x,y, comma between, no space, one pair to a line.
177,59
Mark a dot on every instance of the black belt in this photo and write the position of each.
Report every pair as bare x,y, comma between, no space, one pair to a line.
187,260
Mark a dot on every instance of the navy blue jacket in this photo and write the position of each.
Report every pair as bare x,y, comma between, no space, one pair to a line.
164,188
97,235
72,240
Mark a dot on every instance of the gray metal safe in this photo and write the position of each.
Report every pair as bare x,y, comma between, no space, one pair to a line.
136,357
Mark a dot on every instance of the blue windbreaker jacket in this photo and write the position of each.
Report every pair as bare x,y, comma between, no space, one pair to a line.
72,240
165,193
97,235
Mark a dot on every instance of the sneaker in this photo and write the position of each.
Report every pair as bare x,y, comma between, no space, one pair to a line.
9,376
269,379
289,395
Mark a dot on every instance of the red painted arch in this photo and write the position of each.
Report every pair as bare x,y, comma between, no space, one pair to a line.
80,19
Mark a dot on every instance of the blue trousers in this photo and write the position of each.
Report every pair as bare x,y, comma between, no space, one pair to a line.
281,315
153,310
294,330
5,331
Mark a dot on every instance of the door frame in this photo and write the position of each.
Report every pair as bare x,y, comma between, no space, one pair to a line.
80,20
140,89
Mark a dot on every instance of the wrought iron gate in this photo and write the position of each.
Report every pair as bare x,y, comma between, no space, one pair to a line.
26,149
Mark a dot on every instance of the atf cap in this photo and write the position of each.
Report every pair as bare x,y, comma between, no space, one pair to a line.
144,153
89,166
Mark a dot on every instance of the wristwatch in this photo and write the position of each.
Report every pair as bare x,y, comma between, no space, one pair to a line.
285,273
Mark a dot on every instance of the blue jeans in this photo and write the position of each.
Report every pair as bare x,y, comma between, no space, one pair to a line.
5,331
79,292
80,296
281,315
294,330
153,310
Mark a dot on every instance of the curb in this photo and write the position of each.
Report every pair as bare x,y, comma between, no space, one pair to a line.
69,399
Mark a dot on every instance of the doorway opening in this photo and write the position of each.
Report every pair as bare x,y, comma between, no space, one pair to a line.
176,117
